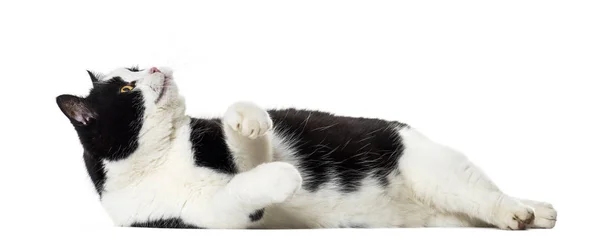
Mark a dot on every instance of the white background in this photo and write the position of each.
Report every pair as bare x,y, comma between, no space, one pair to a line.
513,84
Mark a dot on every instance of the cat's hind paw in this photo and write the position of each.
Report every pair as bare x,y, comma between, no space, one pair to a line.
545,214
513,215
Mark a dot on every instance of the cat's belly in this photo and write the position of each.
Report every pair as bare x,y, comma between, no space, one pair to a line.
370,207
334,205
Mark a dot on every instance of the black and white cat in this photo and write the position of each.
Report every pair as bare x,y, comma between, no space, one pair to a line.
154,166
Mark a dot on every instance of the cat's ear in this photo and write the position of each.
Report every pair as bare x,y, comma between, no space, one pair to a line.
95,77
75,109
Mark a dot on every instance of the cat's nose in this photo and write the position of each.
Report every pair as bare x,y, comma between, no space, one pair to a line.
154,70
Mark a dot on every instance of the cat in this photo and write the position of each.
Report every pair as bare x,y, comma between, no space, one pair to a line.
154,166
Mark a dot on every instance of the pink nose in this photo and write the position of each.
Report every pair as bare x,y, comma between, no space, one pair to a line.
154,70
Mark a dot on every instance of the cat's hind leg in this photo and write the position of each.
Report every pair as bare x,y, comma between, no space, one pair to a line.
447,181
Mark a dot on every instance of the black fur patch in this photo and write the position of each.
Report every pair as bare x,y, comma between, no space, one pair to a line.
112,126
95,169
340,149
256,216
113,133
134,69
165,223
210,148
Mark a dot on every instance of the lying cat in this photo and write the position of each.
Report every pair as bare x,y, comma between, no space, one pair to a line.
154,166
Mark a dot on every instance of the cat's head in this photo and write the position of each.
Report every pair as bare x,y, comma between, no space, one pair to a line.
120,106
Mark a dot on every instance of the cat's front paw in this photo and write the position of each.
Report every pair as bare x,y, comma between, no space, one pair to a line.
277,181
248,119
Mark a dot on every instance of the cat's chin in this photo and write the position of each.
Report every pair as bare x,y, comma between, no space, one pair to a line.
168,72
167,85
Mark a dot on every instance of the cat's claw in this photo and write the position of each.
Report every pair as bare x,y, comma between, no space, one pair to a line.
248,119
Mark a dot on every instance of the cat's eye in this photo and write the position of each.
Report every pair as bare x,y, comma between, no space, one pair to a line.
125,89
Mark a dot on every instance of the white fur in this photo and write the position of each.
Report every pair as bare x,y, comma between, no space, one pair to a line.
437,186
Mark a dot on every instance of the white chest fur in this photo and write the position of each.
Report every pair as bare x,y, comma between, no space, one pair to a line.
148,186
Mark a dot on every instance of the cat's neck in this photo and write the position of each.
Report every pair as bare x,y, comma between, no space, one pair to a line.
157,143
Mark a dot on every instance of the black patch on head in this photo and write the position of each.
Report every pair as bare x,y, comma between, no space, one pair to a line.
256,216
339,149
134,69
107,123
210,148
95,169
113,133
165,223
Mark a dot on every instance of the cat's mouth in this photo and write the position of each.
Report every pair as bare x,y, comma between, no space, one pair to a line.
167,81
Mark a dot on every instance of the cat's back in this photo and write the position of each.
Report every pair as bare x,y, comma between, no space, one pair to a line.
306,122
